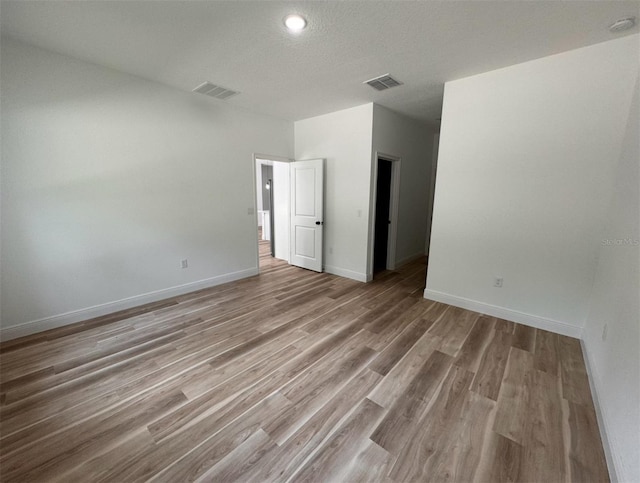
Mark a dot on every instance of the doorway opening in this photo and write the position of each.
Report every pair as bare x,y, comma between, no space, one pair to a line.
383,205
265,212
272,210
386,192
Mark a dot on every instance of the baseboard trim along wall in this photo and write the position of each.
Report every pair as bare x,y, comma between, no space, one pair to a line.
343,272
601,414
53,322
504,313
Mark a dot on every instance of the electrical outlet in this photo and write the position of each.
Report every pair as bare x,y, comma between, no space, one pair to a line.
330,249
184,263
250,211
497,282
605,330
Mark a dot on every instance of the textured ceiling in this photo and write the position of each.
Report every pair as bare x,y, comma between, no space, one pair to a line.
244,46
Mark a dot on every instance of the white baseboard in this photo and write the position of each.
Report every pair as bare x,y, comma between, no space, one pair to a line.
55,321
343,272
409,259
505,313
613,463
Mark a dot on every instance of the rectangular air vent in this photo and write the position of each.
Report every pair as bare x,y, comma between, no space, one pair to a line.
209,89
383,82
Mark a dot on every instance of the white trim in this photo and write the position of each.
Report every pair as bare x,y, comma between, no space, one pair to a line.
254,169
55,321
269,157
505,313
613,460
343,272
409,259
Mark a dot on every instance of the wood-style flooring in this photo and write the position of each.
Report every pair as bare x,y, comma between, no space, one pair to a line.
297,376
264,250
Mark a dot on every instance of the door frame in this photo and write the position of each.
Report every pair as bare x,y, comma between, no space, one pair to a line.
394,209
255,157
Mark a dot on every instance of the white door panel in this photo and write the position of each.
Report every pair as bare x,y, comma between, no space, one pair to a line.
305,192
306,240
307,187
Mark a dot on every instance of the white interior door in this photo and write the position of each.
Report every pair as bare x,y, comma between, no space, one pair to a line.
307,211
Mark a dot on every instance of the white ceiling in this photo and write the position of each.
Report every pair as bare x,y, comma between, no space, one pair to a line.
243,45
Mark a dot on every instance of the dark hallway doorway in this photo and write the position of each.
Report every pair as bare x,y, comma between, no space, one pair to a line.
383,201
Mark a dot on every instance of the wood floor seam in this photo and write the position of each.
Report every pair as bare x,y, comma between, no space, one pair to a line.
293,376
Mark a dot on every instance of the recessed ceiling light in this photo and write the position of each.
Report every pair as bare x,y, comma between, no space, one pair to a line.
622,24
295,22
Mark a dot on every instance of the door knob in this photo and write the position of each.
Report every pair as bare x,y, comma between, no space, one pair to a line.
319,223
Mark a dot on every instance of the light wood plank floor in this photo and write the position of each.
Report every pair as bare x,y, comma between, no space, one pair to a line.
264,250
298,376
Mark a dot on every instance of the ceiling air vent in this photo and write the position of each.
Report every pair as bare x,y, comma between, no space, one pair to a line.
383,82
209,89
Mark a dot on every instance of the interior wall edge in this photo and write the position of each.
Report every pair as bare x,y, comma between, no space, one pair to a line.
343,272
608,443
531,320
55,321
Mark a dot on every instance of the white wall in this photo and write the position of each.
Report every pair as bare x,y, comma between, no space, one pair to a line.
344,139
110,180
432,186
412,141
525,171
615,362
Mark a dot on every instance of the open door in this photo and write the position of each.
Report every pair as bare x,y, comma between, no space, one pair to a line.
307,211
